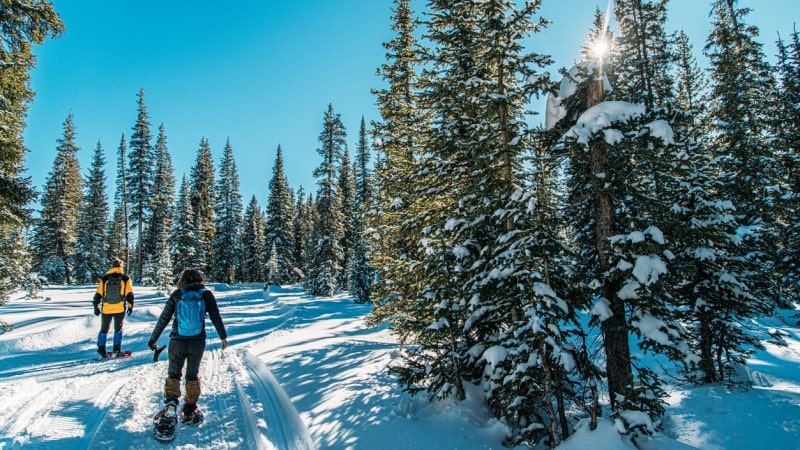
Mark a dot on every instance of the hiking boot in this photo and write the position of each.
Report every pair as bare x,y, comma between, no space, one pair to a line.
191,415
171,406
101,350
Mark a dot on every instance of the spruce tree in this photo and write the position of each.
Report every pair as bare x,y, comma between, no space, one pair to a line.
399,139
785,121
362,271
55,234
279,222
184,234
140,177
253,251
118,235
203,200
301,231
91,256
326,252
157,269
22,27
228,219
347,202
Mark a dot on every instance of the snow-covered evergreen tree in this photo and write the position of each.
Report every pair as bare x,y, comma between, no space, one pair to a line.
347,204
184,233
157,269
203,199
91,256
302,226
140,181
55,233
786,123
741,79
468,175
362,271
117,237
399,137
279,222
253,243
228,217
22,28
325,249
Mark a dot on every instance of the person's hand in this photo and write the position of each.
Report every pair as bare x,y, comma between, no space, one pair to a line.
224,344
96,311
130,310
151,344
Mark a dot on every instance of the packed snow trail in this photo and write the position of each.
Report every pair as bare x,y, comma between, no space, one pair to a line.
57,395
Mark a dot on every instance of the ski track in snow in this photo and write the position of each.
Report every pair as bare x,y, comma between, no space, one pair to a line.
57,395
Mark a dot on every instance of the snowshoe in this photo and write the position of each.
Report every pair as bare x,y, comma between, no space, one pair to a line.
192,418
119,354
164,424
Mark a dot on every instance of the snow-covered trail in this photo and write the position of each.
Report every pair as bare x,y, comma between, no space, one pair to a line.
55,394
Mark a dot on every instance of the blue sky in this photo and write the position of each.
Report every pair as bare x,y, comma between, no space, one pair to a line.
259,72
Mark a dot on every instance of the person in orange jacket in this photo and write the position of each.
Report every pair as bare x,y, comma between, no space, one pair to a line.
113,298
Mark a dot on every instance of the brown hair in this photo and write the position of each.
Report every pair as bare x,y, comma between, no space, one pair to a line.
190,276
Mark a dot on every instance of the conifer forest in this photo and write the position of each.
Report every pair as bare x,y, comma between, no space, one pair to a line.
653,206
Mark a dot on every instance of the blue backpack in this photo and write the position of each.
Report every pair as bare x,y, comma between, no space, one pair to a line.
191,313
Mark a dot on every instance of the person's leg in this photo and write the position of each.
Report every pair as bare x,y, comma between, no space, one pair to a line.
194,356
172,386
105,323
118,319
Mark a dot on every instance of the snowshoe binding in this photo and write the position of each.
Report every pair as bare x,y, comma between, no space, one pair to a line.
191,416
119,354
164,424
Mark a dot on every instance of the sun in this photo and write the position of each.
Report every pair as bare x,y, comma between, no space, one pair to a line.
601,48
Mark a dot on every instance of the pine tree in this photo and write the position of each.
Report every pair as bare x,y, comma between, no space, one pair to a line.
22,27
642,54
279,222
326,235
157,269
91,254
362,271
786,124
301,230
228,219
203,199
347,202
140,177
253,243
399,140
54,236
118,236
184,233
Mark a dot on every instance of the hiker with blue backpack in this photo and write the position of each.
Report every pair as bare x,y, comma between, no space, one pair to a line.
188,305
114,296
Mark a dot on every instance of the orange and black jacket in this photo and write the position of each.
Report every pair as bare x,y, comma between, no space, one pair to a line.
126,290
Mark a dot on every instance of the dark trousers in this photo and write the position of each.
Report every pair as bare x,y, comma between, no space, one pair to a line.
188,351
105,322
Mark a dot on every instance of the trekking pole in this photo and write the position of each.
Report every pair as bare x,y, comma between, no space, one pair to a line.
157,352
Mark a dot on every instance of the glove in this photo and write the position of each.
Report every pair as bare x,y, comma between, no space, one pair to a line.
96,311
151,344
130,310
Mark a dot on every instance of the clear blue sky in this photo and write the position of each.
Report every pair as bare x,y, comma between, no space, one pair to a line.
260,72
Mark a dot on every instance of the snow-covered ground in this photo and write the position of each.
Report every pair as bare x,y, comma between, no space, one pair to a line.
304,372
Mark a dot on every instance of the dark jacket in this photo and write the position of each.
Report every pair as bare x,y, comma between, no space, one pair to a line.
170,310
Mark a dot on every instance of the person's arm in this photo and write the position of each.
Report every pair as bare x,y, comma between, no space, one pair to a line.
129,294
216,318
163,321
98,296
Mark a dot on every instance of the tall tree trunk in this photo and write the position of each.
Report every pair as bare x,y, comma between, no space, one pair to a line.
615,330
